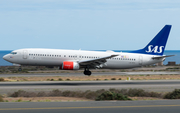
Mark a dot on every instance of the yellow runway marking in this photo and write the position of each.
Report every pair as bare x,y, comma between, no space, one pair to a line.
88,107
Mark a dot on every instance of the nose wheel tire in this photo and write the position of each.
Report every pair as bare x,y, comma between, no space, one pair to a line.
20,69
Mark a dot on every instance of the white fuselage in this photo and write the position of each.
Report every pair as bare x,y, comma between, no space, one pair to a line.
55,57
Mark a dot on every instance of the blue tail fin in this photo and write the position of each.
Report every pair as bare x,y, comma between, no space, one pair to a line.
157,44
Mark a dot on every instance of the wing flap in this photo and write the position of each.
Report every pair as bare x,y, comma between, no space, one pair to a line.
97,61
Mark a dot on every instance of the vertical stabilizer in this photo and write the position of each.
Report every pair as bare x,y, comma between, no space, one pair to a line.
157,44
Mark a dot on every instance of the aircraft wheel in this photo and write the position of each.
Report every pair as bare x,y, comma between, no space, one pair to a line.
20,69
87,73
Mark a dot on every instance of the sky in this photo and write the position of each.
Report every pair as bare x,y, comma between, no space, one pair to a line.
87,24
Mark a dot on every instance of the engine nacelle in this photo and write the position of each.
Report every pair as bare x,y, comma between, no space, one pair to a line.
68,65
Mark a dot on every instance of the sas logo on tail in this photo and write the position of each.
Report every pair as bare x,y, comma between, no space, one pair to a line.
154,49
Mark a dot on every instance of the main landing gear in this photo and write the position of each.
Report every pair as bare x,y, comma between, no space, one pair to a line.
87,72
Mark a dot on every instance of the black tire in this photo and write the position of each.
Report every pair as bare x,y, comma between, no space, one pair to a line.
85,72
20,69
88,73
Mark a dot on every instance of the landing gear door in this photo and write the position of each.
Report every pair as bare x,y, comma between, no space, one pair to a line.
25,53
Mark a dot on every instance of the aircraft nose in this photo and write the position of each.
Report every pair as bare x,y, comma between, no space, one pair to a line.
5,57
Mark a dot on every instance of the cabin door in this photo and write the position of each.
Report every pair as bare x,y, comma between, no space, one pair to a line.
25,53
140,60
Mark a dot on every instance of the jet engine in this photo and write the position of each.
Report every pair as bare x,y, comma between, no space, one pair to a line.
68,65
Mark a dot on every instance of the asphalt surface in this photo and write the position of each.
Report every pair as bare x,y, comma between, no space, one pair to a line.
156,106
93,73
149,85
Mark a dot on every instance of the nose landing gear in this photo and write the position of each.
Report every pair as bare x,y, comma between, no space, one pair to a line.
20,69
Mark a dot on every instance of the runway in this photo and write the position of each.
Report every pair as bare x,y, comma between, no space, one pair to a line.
149,85
93,74
165,106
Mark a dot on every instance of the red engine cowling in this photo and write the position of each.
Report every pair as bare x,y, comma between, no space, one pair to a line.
67,65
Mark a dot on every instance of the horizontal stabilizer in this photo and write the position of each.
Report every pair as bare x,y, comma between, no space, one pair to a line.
162,56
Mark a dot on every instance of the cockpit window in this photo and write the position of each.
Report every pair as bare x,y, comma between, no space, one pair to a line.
13,53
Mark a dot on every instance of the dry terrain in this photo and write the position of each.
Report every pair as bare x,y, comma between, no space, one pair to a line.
94,78
62,99
43,99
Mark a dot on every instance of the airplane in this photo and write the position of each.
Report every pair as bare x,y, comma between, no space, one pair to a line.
78,59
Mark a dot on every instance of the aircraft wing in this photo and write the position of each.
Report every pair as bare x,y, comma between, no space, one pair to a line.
157,57
96,62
